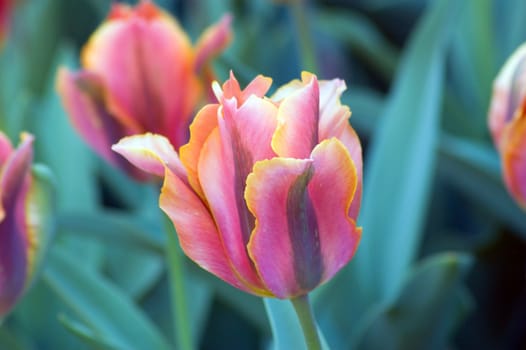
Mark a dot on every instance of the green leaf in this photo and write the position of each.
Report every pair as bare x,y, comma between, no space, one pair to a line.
100,305
37,43
366,106
136,272
248,306
475,170
285,326
115,228
430,306
473,65
509,27
284,323
402,156
86,334
9,341
73,165
359,33
397,178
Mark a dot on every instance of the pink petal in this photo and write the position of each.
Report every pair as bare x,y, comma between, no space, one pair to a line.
195,227
146,61
298,117
231,89
83,97
196,230
150,153
14,182
303,233
6,12
509,90
333,115
284,245
213,41
243,137
339,236
5,148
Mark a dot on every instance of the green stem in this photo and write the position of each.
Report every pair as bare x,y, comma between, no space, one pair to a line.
180,314
307,50
308,324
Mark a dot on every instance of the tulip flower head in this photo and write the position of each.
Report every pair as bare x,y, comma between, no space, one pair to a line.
139,74
507,122
266,193
24,229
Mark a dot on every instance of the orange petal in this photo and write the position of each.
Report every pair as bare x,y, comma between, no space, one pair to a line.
202,126
514,157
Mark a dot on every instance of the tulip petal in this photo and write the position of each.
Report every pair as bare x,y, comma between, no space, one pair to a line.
243,137
6,12
298,118
333,115
14,182
151,153
303,233
509,90
203,124
213,41
514,157
142,61
5,148
195,227
339,236
284,245
350,140
231,89
83,97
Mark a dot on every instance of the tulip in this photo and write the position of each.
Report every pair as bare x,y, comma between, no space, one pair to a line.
24,224
6,9
507,122
266,192
140,74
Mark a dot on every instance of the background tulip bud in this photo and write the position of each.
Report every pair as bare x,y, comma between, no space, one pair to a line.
25,225
266,193
507,122
139,74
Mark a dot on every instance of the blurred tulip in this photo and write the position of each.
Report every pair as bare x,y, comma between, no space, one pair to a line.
6,9
266,193
24,221
507,122
140,74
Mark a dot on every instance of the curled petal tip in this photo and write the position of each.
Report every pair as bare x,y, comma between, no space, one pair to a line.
213,41
151,153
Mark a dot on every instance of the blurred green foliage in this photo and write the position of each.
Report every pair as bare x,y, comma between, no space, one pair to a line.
443,255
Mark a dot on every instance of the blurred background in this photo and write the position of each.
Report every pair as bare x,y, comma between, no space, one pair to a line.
442,263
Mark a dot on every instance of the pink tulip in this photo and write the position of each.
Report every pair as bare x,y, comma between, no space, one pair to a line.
140,74
266,193
507,122
23,224
6,11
